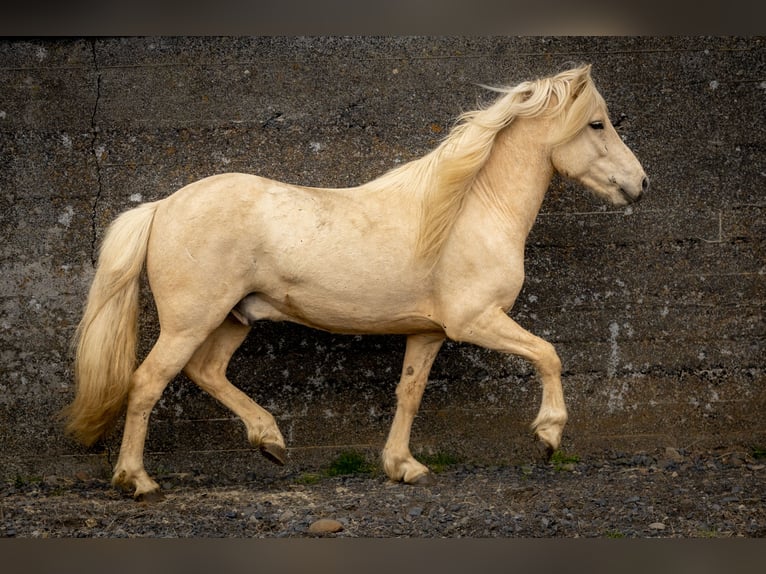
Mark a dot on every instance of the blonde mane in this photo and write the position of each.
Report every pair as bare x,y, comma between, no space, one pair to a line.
447,173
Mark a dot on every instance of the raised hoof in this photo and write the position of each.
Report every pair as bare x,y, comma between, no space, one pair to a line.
274,453
545,450
152,497
425,479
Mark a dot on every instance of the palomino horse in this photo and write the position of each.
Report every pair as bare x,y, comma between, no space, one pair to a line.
433,249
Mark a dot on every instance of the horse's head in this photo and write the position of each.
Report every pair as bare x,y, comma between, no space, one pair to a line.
590,151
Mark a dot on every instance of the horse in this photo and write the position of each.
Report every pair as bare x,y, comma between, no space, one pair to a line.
432,249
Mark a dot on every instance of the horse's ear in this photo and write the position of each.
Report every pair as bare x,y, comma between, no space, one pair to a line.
526,95
581,80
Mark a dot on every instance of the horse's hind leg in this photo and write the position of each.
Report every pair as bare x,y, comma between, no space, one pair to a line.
165,360
207,368
398,461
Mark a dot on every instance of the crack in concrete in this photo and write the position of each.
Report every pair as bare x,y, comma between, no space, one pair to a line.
94,131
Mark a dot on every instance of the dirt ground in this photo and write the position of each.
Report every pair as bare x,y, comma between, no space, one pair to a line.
669,494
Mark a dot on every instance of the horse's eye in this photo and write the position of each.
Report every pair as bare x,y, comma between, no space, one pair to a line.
597,125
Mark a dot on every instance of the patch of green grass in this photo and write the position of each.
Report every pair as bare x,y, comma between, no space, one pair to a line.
345,464
527,470
439,461
349,462
308,478
614,534
353,462
24,481
758,452
563,461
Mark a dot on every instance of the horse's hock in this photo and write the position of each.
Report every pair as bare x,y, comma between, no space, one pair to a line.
655,310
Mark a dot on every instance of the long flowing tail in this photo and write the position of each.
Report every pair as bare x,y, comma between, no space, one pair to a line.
106,336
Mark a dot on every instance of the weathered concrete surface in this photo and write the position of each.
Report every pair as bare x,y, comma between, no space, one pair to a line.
657,311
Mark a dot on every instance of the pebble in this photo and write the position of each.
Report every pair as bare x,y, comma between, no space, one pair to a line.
657,526
673,455
415,511
737,459
325,526
287,515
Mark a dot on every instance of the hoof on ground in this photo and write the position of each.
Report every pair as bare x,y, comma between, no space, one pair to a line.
275,453
545,450
425,479
152,497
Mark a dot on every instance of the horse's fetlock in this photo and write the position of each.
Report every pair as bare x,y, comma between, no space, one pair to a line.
119,479
267,435
403,467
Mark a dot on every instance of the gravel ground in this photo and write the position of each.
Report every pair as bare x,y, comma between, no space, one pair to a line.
669,494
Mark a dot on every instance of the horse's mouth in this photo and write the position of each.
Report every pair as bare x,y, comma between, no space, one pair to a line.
629,199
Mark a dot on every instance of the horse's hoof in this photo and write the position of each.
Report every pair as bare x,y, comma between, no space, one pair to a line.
425,479
151,497
545,450
275,453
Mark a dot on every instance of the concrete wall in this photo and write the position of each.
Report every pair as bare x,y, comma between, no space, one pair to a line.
656,310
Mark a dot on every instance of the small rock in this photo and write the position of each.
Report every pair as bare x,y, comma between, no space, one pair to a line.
325,526
673,455
287,515
642,460
415,511
657,526
737,459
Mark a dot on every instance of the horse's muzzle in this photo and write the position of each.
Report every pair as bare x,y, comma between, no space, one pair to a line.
635,197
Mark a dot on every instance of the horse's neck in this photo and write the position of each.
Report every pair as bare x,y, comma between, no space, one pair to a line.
512,184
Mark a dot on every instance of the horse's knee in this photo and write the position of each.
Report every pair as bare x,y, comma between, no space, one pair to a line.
547,360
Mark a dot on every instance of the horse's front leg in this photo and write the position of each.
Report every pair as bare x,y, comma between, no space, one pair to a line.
496,330
398,461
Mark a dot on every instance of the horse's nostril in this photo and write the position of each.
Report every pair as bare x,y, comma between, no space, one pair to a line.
644,185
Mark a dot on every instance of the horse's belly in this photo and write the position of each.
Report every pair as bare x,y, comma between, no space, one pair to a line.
356,314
